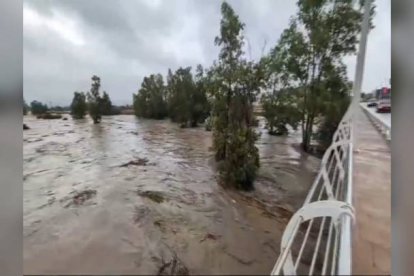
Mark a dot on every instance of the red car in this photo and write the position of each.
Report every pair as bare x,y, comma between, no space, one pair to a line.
384,100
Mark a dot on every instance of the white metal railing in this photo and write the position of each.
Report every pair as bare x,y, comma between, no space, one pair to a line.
328,205
328,210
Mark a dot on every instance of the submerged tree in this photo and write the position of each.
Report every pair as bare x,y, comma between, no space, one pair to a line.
180,87
280,111
236,84
336,100
78,106
201,105
150,102
94,100
106,104
309,50
186,97
38,108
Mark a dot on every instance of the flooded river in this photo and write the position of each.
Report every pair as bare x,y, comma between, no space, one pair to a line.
128,195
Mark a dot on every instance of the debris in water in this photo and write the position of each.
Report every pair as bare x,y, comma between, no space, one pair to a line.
34,140
160,223
80,197
173,267
140,213
137,162
210,237
65,119
153,195
25,127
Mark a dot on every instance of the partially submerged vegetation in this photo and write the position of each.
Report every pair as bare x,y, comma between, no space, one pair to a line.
308,62
78,106
183,98
236,85
49,116
155,196
303,78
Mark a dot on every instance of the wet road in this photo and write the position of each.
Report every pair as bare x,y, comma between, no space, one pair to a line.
86,210
383,117
372,200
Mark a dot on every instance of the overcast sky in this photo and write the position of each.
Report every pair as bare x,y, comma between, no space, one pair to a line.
121,41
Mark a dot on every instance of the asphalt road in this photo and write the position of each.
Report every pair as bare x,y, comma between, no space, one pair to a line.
384,117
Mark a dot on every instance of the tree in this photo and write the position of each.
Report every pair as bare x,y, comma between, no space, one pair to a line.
78,106
310,49
94,100
106,104
201,106
280,110
180,87
37,108
235,84
336,100
150,102
186,97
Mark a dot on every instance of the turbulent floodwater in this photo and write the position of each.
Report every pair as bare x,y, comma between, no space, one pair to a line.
88,210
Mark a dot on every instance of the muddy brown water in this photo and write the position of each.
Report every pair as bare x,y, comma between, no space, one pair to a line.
126,195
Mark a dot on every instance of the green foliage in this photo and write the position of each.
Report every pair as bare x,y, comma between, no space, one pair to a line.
308,58
150,102
180,86
38,108
78,106
186,97
94,100
201,106
106,104
49,116
59,108
336,100
280,110
234,83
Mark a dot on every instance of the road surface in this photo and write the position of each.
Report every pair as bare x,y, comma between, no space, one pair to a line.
372,200
384,117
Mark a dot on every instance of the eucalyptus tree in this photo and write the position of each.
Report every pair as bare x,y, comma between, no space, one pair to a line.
78,106
308,58
235,84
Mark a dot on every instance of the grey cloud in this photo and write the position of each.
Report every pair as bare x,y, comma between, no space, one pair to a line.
124,40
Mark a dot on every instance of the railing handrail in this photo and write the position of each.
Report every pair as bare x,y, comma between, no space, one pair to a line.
334,181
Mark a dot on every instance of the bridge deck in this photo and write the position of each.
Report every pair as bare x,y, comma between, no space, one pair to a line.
372,200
